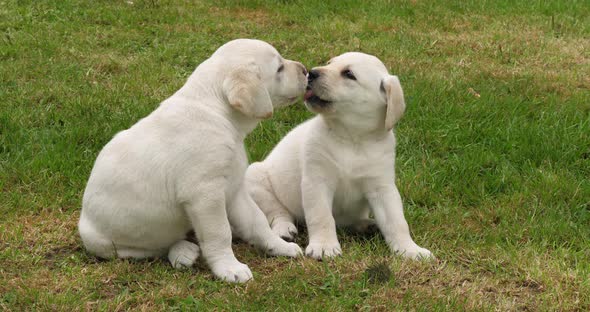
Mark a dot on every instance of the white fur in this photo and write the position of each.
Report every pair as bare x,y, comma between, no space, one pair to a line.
337,167
182,167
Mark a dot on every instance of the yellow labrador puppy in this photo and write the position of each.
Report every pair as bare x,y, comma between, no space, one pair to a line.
181,168
336,168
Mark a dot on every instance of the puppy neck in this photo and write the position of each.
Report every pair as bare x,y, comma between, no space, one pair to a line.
239,122
216,115
351,130
204,89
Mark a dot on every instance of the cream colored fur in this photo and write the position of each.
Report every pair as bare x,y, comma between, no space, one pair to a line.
337,167
181,168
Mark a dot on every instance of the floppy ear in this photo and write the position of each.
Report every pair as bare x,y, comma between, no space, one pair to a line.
395,100
245,92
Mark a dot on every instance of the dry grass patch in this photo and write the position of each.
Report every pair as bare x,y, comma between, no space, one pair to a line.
493,49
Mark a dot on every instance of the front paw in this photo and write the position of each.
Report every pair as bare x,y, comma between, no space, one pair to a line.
320,250
231,271
285,230
414,252
283,248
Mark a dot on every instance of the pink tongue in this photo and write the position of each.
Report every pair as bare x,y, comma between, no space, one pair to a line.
307,95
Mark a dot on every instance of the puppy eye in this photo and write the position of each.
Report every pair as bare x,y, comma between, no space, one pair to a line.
348,74
281,68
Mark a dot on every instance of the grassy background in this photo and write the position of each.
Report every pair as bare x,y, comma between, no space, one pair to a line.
493,156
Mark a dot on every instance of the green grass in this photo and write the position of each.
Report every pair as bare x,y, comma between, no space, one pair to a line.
493,158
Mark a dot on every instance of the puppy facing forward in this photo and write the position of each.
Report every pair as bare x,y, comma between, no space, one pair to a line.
336,168
181,168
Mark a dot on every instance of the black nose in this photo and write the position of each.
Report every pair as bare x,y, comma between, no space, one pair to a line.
313,75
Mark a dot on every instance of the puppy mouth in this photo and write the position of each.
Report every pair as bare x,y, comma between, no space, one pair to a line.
312,99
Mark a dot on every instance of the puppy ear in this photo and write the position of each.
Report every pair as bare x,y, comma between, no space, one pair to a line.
245,92
395,100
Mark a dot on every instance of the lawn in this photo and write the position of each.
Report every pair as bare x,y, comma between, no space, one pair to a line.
493,153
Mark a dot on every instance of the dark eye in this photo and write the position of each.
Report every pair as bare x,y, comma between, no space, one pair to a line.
348,74
281,68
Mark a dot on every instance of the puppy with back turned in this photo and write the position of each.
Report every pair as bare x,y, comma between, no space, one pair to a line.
181,168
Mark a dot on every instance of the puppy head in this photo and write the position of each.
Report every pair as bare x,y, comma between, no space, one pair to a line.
356,87
258,78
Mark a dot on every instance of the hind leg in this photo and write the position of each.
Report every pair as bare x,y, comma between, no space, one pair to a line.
279,218
103,247
284,227
124,252
94,241
250,224
183,254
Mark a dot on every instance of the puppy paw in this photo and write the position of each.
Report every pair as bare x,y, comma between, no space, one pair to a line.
282,248
183,254
415,252
231,271
285,230
322,250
